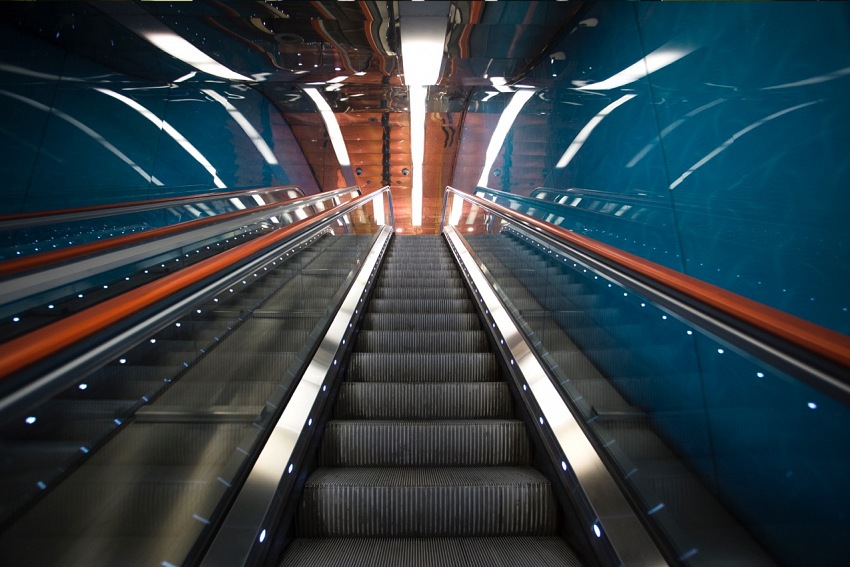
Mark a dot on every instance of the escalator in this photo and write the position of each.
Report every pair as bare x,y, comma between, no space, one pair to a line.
425,460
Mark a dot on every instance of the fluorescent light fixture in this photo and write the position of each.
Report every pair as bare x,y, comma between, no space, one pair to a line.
88,132
332,125
418,101
238,203
582,136
179,48
423,38
716,151
258,199
658,59
246,126
338,79
170,130
506,120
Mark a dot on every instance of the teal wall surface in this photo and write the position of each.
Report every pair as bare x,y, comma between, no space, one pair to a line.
74,132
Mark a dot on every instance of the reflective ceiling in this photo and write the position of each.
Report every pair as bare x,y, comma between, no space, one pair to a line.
349,52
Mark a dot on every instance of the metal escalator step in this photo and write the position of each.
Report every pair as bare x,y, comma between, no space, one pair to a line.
421,292
529,551
433,501
389,400
446,280
422,367
421,321
411,272
425,443
422,341
421,306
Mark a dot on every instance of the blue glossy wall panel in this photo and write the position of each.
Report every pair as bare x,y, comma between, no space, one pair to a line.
737,136
77,133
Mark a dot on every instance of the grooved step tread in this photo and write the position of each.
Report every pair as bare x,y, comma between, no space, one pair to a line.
422,367
425,443
391,400
431,552
433,501
422,341
421,321
421,306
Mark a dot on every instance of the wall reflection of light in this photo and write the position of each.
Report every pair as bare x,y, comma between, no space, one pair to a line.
170,130
88,132
716,151
506,120
179,48
666,131
658,59
246,126
584,133
337,141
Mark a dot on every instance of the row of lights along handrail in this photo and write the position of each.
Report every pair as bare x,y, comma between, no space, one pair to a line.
35,218
44,260
800,335
48,341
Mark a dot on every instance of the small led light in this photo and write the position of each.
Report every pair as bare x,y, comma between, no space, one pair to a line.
16,319
289,470
83,386
812,405
540,419
122,361
262,536
720,351
760,374
153,341
30,420
597,530
564,465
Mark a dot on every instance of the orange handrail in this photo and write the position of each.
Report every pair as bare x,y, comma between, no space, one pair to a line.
809,336
47,341
46,259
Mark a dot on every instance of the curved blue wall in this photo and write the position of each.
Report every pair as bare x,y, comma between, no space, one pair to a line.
75,133
733,151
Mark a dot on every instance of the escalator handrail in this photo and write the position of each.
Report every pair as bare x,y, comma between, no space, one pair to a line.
36,218
44,260
801,335
42,343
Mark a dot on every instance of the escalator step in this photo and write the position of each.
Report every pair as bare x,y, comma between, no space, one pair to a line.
388,400
455,501
425,443
421,321
422,341
382,292
422,367
527,551
421,306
